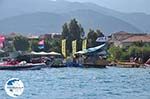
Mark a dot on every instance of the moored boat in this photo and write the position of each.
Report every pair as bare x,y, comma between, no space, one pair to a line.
93,57
128,65
101,63
94,66
21,66
147,64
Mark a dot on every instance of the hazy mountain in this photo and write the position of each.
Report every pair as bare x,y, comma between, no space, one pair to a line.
11,8
108,24
96,17
51,22
122,5
140,20
33,23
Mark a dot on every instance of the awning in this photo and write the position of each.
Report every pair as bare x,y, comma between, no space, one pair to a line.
89,50
2,51
81,52
45,53
38,53
93,49
54,53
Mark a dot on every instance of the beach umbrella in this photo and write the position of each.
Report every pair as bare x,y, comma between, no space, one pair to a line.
39,53
2,51
33,52
54,53
81,52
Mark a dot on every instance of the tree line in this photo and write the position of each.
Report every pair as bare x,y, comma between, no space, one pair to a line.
72,30
135,51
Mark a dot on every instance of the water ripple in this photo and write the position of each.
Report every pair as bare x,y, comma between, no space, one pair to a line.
75,83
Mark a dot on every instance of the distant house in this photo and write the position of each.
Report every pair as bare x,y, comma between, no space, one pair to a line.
123,39
9,41
135,38
51,36
12,35
44,36
32,37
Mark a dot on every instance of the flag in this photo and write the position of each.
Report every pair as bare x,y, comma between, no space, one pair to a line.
41,44
84,44
2,39
1,45
74,45
63,47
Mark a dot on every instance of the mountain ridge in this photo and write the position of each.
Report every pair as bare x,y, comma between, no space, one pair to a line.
43,22
139,22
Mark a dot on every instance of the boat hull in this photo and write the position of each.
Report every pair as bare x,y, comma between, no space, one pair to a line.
128,65
22,67
58,66
147,65
93,66
97,64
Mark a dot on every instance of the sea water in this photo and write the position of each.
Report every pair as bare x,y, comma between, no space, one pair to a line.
81,83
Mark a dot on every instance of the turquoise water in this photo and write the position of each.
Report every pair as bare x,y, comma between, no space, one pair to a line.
80,83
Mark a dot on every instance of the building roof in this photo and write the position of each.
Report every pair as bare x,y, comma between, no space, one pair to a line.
119,36
137,38
121,33
33,37
129,37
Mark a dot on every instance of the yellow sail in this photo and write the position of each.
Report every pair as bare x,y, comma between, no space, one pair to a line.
63,47
84,44
74,47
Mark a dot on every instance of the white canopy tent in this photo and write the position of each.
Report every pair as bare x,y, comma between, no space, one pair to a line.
45,53
54,53
2,51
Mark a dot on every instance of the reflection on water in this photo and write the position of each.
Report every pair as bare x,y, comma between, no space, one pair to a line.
75,83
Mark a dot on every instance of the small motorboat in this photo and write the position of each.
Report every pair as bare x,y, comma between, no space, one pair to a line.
128,65
94,66
147,64
101,63
14,65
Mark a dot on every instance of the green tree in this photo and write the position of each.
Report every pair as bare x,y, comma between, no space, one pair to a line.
139,44
114,53
52,45
100,34
47,45
72,31
92,36
134,51
65,31
67,35
137,51
82,33
56,45
21,43
75,29
34,45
